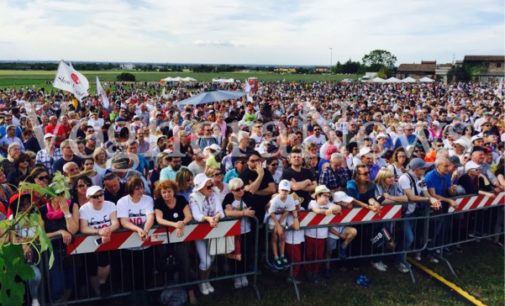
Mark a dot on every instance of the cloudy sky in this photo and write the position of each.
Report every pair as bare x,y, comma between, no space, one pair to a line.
249,32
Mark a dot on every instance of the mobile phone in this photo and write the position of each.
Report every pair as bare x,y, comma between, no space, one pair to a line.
98,241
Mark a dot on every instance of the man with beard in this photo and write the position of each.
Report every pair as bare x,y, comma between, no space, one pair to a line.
170,172
303,182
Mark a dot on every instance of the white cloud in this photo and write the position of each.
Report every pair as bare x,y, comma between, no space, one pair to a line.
259,32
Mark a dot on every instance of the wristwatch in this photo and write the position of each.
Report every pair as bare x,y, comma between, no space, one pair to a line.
68,215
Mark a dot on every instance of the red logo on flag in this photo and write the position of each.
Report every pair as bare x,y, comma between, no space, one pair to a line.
75,78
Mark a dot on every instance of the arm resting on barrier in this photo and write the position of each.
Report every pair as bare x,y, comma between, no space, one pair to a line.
433,194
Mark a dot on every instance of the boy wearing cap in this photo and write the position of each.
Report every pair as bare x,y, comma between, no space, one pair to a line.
315,238
280,207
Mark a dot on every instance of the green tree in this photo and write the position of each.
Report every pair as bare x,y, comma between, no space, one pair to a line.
125,76
379,58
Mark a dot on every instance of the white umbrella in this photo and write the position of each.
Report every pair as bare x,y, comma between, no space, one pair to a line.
223,81
393,80
377,80
426,80
409,80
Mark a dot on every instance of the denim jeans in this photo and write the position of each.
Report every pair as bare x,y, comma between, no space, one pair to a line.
407,240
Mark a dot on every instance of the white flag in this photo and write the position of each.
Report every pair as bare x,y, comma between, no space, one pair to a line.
247,89
71,80
102,94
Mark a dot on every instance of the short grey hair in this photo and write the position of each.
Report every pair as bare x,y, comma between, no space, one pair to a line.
235,183
337,156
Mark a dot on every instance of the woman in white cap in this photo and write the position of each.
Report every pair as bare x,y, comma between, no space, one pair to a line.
235,207
205,206
98,217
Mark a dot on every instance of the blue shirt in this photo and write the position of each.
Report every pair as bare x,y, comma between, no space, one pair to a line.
440,183
352,190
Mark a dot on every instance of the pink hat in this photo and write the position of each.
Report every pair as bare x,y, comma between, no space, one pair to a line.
330,150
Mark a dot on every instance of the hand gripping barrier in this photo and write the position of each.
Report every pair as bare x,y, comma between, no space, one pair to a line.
161,262
157,236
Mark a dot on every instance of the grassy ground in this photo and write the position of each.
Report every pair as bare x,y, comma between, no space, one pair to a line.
480,269
21,78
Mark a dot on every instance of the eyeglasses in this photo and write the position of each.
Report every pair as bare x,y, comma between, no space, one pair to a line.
82,185
238,189
97,196
44,177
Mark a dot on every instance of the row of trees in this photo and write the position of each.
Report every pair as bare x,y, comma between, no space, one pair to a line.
380,61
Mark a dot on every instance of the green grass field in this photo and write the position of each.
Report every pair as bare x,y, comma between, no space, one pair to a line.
38,79
480,270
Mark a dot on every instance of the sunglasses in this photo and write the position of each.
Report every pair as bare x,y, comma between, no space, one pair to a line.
82,185
365,173
44,177
238,189
97,196
274,165
209,187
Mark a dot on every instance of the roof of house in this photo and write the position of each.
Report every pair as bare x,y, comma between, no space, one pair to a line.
417,68
484,58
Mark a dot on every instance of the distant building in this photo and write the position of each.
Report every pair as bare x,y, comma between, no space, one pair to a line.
285,70
492,66
417,71
127,66
322,70
442,71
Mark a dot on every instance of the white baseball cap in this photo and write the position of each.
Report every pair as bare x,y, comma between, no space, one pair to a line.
285,185
471,165
200,180
91,191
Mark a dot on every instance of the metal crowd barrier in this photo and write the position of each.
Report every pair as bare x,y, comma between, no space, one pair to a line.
476,217
163,261
368,224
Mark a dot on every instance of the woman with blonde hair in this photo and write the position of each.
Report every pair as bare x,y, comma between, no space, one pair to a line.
184,180
100,158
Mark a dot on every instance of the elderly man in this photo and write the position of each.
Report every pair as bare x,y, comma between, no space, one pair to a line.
335,176
121,166
441,188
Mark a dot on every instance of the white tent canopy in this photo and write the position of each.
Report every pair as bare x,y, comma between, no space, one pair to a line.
426,80
223,81
377,80
393,80
177,79
409,80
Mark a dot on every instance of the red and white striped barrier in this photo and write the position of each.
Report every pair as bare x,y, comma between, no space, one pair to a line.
354,215
161,235
478,201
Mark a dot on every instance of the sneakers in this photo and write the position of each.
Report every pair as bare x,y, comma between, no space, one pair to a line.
433,259
245,282
35,302
285,262
203,288
278,265
209,287
237,283
403,268
417,256
380,266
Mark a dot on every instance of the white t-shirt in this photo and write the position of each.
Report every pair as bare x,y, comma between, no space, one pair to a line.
319,141
278,206
292,236
405,183
97,219
136,212
318,233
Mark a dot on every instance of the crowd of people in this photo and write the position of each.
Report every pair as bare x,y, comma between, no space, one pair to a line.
320,147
